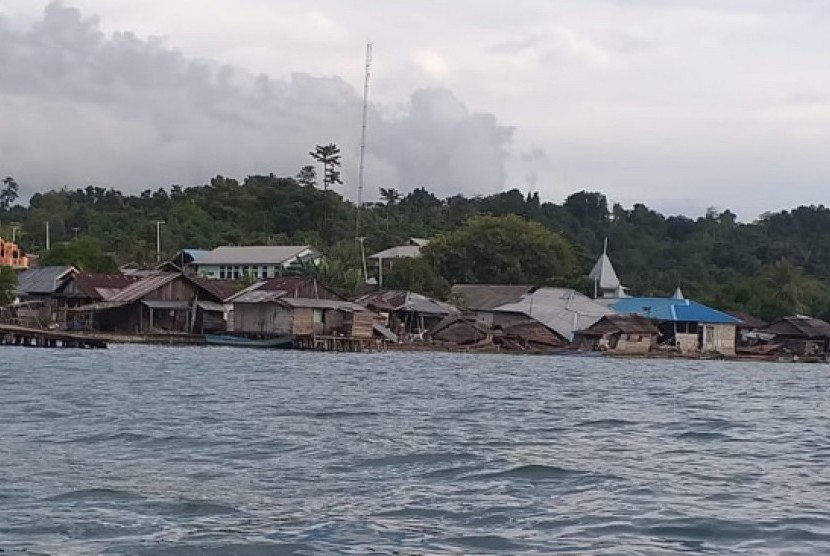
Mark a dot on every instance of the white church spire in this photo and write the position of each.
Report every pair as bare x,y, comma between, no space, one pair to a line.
606,282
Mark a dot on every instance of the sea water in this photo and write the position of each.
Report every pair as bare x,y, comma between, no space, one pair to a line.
192,451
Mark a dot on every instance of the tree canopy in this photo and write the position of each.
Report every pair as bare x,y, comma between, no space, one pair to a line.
714,258
500,250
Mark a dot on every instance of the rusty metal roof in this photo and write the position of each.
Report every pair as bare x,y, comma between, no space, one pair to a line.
139,289
401,300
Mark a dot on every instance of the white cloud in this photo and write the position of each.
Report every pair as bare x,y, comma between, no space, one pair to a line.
646,100
83,107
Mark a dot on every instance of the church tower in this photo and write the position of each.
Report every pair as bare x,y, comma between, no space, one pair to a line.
606,282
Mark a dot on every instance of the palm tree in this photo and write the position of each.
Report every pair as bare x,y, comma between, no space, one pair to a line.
791,286
334,273
391,196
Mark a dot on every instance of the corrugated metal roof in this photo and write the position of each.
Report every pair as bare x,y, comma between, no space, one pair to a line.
258,296
212,307
747,320
220,289
43,280
139,289
400,300
167,305
560,309
195,254
399,252
100,306
305,303
798,325
627,324
101,286
255,255
673,310
482,297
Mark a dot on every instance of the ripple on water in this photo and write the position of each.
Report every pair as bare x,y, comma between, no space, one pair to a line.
95,495
148,451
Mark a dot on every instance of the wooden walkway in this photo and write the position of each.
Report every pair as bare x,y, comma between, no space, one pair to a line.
13,335
339,343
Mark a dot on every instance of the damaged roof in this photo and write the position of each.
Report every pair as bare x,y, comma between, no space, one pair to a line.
798,326
483,297
408,301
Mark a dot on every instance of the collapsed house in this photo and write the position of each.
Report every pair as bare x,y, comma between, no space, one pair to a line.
406,313
622,334
534,315
798,334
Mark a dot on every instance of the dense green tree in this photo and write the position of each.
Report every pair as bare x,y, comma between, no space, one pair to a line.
84,254
334,273
307,176
500,250
715,258
8,285
416,275
790,287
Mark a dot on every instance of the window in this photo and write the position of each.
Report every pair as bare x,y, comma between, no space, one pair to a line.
264,272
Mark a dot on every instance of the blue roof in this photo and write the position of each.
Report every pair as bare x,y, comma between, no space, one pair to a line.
668,309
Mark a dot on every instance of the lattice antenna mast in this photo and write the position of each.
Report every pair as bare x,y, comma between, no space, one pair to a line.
363,138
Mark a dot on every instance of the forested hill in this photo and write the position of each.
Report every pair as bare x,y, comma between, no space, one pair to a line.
778,264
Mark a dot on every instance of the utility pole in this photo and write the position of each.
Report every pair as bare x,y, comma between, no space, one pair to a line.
48,241
158,240
362,240
363,140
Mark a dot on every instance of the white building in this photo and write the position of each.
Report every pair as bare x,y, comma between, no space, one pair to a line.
255,262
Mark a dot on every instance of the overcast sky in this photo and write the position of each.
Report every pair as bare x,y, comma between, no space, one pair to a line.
681,104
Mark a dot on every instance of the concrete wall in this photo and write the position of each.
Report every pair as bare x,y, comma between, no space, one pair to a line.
719,338
632,343
687,342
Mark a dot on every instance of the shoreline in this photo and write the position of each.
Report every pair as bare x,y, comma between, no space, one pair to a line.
199,340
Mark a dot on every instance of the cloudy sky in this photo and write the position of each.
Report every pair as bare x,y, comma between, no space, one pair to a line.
681,104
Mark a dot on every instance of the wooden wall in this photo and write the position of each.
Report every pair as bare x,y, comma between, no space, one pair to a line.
361,324
263,319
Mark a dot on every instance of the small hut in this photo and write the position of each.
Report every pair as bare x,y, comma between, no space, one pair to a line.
625,334
798,334
458,330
